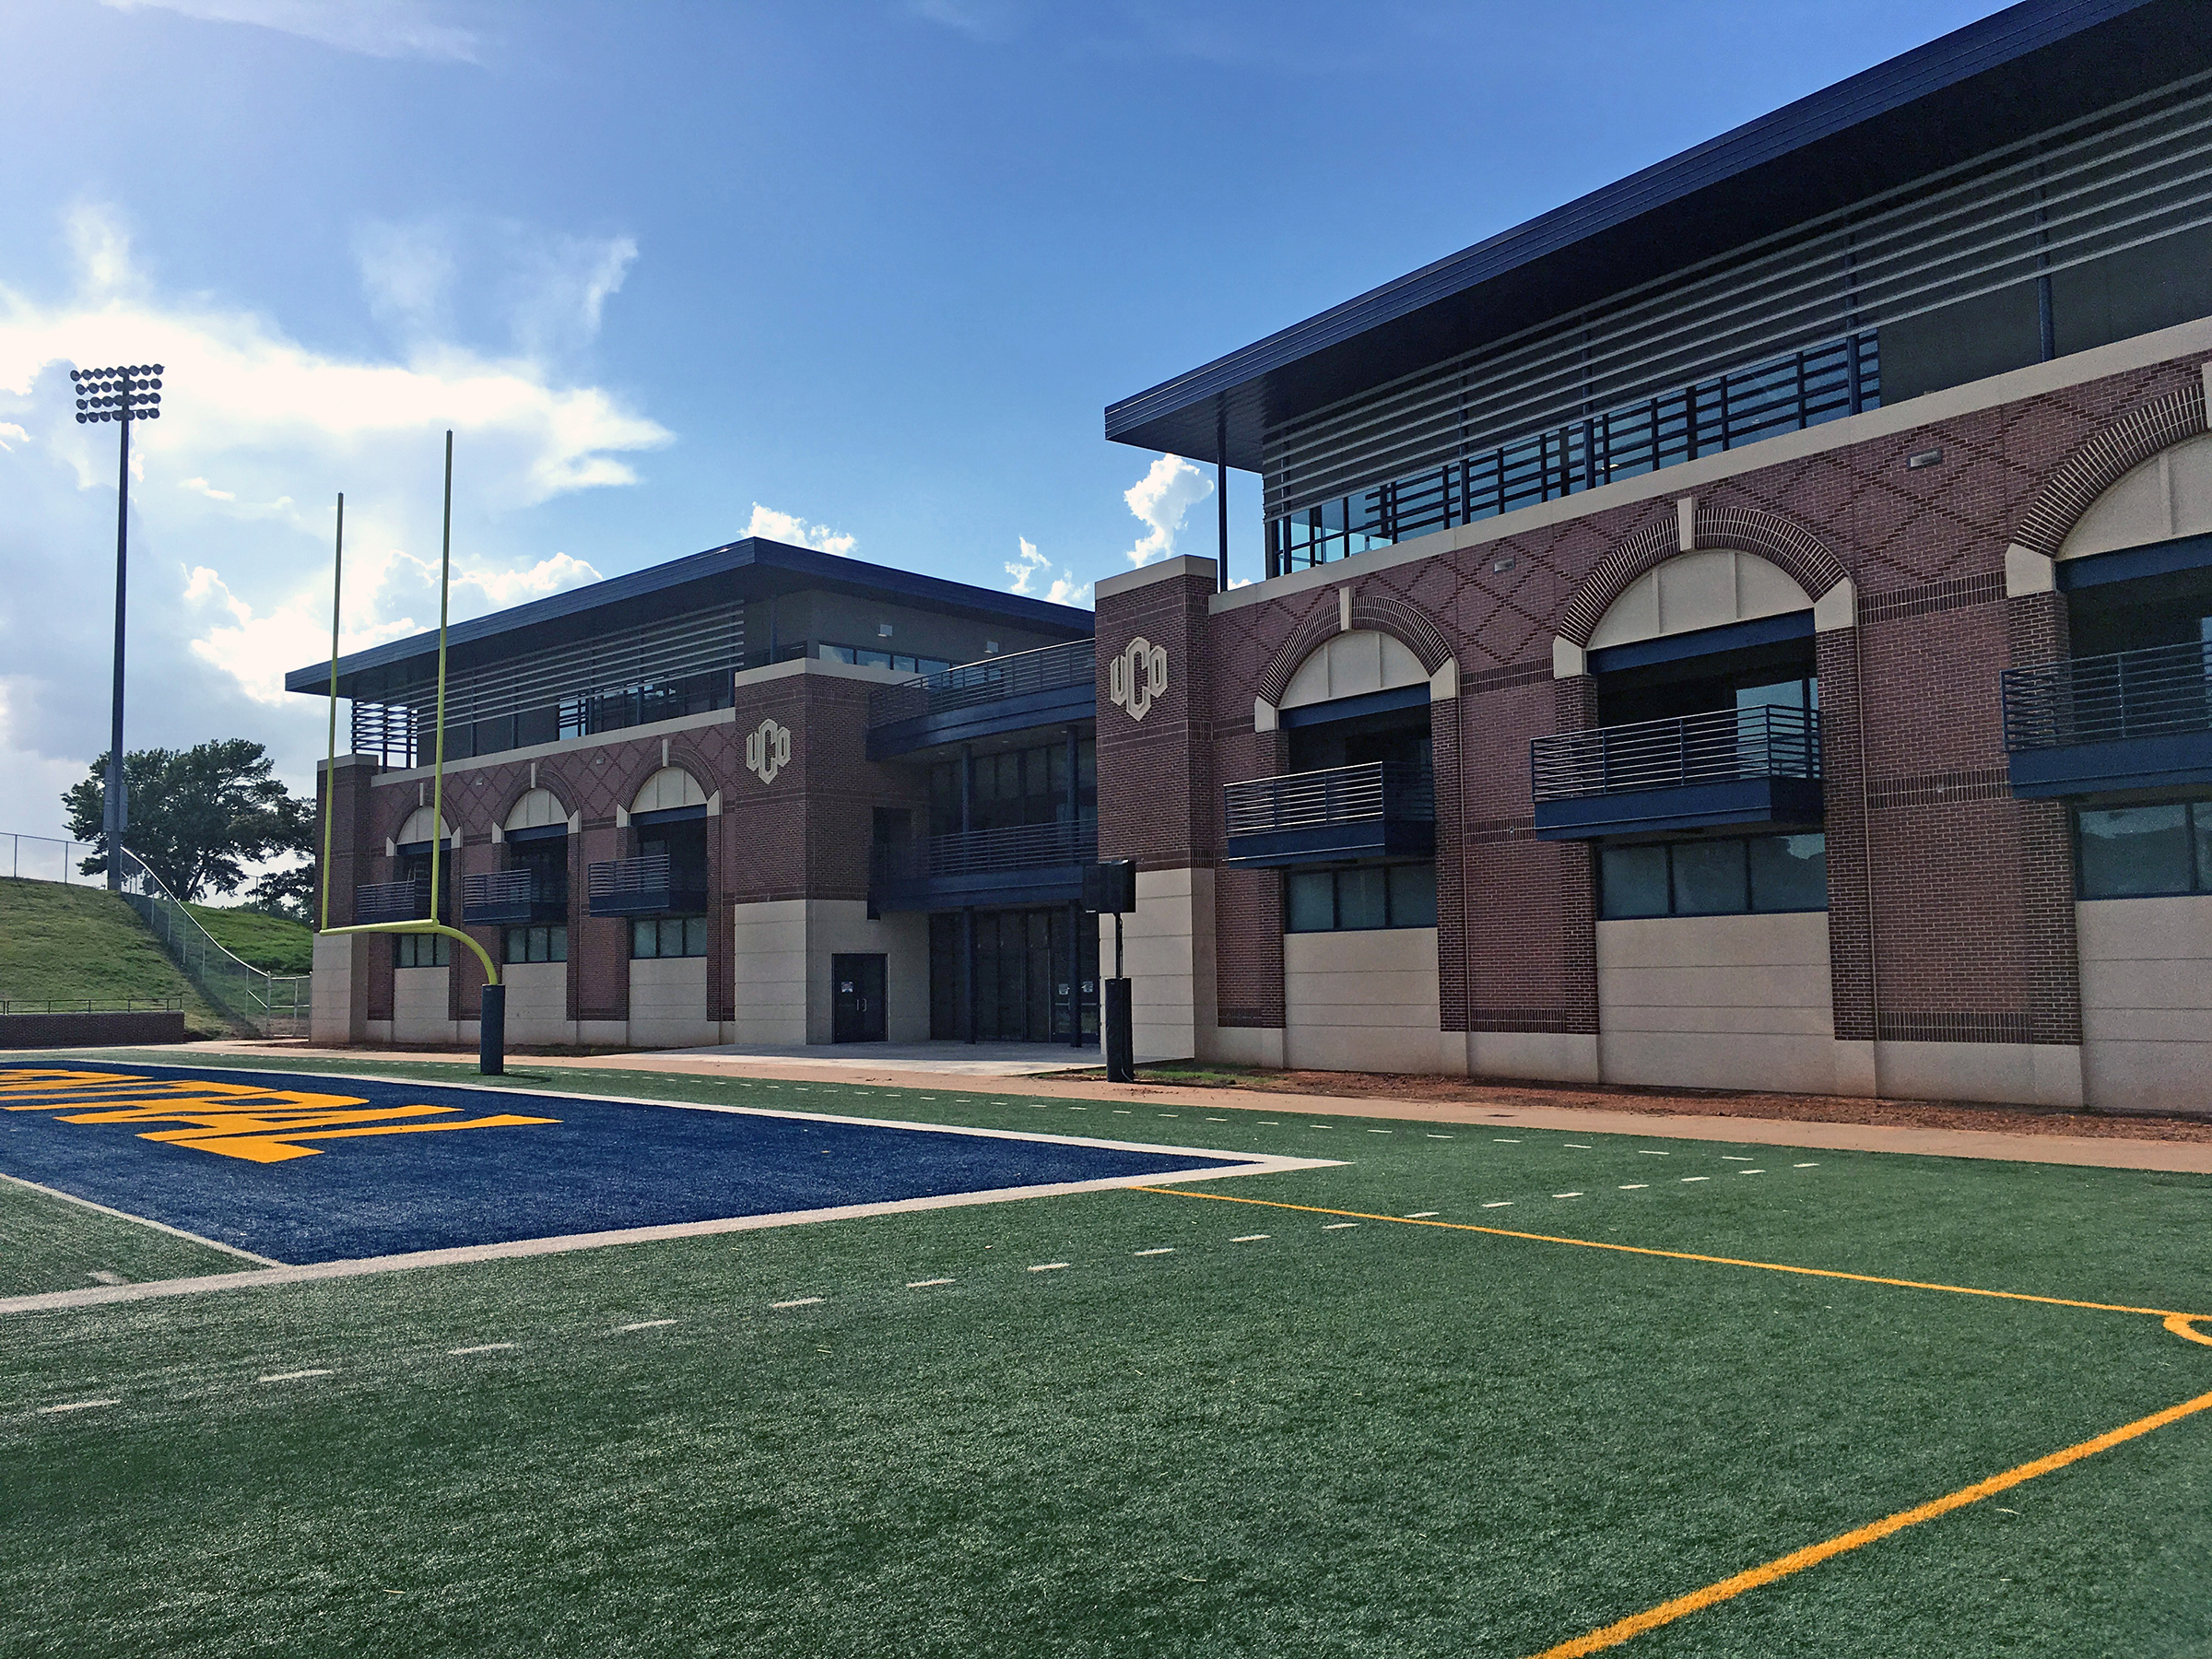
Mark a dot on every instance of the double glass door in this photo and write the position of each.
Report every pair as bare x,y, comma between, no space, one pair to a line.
1032,976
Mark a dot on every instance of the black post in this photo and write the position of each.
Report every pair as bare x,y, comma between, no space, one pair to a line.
1221,491
1120,1032
491,1033
116,813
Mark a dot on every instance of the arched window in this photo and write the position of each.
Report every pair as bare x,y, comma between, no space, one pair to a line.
666,790
417,831
540,809
1710,588
1353,665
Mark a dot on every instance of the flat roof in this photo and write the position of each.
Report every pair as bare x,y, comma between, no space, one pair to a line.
752,569
2018,72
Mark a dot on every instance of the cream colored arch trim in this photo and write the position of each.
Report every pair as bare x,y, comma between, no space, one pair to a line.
538,809
1709,588
2167,497
671,786
1351,665
419,828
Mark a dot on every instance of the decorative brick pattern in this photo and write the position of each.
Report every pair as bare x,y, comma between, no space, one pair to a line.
1405,622
1932,597
1925,789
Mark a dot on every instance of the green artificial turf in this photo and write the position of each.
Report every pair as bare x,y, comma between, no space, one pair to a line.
272,944
47,1243
1383,1439
68,943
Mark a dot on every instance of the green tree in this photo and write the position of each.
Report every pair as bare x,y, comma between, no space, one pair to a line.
197,816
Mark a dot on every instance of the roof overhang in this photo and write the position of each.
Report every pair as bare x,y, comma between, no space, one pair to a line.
748,570
1995,82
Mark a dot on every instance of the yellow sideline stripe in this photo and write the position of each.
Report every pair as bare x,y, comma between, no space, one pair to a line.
2172,1318
1666,1612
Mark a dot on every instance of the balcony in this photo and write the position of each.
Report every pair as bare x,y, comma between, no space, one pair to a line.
1383,810
1051,685
651,886
379,901
510,898
2132,719
1731,766
1031,864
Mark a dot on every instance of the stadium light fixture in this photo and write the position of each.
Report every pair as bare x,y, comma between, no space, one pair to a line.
124,394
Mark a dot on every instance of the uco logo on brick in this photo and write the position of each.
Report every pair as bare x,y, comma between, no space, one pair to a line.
768,751
1138,676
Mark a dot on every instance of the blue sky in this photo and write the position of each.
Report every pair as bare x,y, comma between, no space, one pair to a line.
861,273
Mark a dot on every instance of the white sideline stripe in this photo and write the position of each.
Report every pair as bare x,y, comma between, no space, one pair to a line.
1433,1135
1647,1152
800,1301
1578,1146
926,1284
1338,1226
1258,1163
176,1232
1382,1131
1250,1237
1689,1177
1567,1194
1423,1215
1811,1166
1164,1250
1734,1158
481,1348
76,1405
1750,1171
644,1325
1498,1204
1635,1186
1048,1266
1503,1142
293,1376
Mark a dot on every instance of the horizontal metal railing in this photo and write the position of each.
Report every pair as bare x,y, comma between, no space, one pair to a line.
652,872
515,886
988,852
2154,692
376,902
90,1005
1047,668
43,858
1725,746
1403,791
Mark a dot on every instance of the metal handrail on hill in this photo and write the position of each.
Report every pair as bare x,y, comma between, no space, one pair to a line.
269,1004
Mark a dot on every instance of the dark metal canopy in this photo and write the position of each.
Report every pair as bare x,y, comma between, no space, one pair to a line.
2022,71
748,570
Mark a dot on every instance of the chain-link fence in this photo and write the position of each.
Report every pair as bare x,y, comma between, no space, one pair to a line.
43,858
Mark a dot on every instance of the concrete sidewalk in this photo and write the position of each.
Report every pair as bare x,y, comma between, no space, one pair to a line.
896,1069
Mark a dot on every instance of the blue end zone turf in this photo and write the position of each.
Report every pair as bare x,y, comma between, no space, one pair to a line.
304,1168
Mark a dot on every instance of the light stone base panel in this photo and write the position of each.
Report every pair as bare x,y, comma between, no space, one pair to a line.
2146,1003
1540,1056
2018,1074
1717,1001
1168,953
668,1004
339,1010
769,967
1244,1045
418,1004
537,1003
782,963
1366,1001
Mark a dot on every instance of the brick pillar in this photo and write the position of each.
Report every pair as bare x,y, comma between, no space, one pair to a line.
600,944
347,966
2036,631
1248,909
1850,895
1577,706
1454,1001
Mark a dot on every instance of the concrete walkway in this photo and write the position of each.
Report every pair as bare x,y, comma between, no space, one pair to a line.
939,1066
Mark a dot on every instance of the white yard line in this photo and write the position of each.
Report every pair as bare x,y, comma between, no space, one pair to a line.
175,1232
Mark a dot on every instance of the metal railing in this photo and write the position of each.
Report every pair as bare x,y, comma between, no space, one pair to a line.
376,902
43,858
90,1005
1402,790
269,1004
988,852
653,873
2153,692
513,888
1725,746
1047,668
1804,389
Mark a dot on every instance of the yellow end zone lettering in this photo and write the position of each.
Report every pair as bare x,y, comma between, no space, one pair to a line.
236,1120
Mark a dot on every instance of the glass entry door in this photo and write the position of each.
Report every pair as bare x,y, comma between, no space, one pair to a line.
1032,977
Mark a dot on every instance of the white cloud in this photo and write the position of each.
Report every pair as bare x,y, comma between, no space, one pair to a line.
978,20
1032,567
1169,489
385,28
406,271
230,572
796,532
11,435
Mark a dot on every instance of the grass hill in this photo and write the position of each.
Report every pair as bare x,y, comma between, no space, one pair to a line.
272,944
67,943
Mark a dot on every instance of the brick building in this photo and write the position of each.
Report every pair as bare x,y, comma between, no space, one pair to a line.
1751,627
759,794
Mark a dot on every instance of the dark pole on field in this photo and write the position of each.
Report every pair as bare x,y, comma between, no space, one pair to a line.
121,395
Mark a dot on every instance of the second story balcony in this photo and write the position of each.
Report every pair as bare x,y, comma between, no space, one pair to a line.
1028,863
654,885
511,898
1380,809
2129,720
1051,685
1757,765
379,901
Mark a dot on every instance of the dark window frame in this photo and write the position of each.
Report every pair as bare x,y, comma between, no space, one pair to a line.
2199,842
1750,909
1423,917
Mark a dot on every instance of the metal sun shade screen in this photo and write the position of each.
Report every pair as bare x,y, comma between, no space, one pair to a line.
2153,692
1341,795
625,679
1726,746
1654,375
1047,668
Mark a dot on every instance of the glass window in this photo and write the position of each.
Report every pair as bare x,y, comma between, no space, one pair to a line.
644,939
1413,895
2130,850
1312,901
875,659
837,653
1789,872
537,943
1632,881
1708,878
421,951
932,665
2201,814
1360,899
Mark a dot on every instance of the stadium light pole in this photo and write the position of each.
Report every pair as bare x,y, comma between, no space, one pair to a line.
132,393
